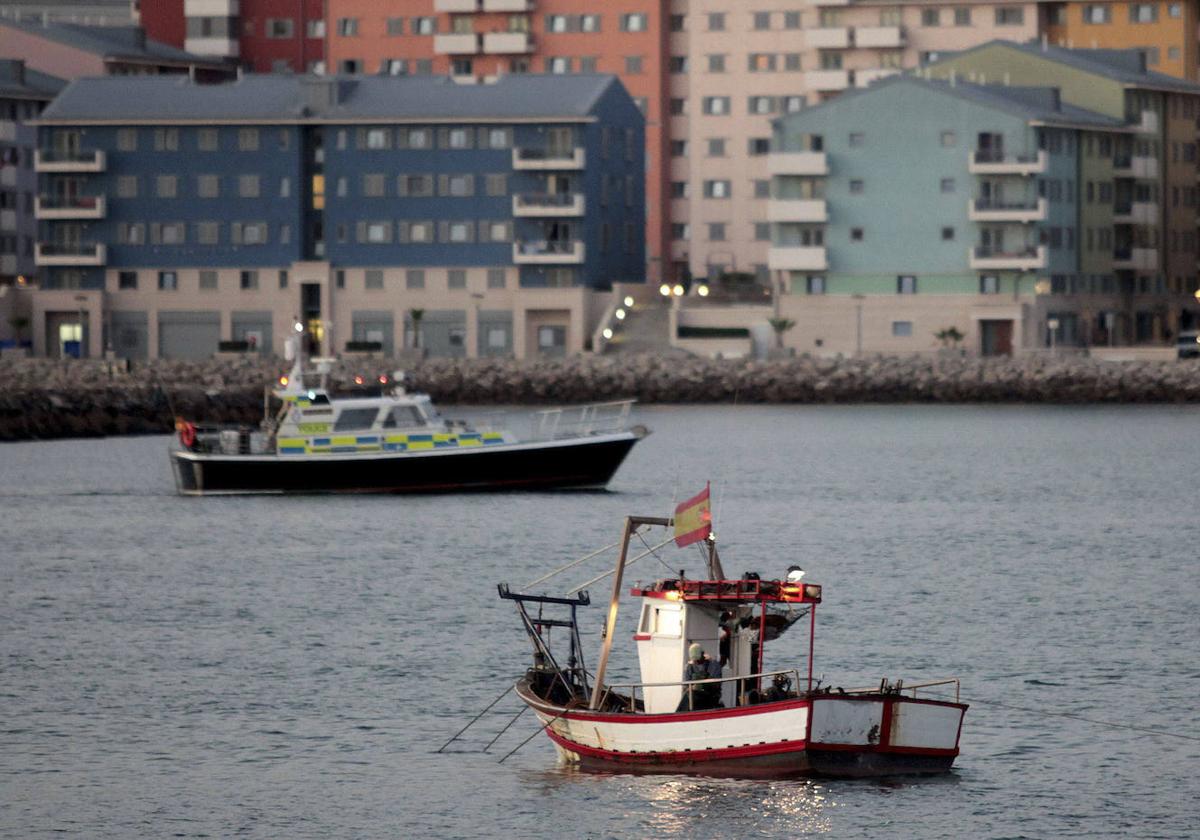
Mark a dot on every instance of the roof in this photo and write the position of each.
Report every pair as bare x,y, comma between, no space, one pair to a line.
1127,67
1033,104
20,82
124,42
283,98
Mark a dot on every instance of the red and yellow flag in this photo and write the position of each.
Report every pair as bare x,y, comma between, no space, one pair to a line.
693,519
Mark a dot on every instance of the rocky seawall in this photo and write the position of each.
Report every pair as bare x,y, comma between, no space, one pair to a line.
42,398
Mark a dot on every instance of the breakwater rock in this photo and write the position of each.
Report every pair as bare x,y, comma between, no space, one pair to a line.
41,398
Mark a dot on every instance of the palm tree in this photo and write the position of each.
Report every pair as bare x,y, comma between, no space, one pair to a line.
416,315
780,325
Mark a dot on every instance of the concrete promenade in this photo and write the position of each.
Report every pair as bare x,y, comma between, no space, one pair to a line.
42,399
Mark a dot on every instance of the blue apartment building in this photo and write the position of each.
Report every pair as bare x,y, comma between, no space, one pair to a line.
190,214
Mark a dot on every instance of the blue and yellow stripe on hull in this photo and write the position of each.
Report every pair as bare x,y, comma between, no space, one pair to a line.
343,444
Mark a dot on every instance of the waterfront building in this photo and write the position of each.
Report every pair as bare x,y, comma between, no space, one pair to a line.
381,212
87,12
1165,31
1015,215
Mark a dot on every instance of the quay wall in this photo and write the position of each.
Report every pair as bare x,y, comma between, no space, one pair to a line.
41,398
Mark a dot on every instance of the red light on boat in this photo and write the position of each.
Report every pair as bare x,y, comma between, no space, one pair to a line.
383,380
283,380
358,380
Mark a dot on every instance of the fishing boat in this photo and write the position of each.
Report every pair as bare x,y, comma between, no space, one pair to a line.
739,718
382,438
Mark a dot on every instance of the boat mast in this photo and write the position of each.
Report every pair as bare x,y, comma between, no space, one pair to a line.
611,624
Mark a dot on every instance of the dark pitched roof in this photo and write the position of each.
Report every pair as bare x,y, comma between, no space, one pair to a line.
125,42
1033,104
1125,66
272,97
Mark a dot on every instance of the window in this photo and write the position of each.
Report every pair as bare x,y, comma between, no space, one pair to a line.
457,186
1010,16
208,233
931,17
415,138
760,105
166,186
679,148
373,185
1099,13
208,280
350,66
414,278
716,231
375,233
791,20
947,234
347,27
906,284
758,146
248,139
949,139
792,62
635,22
166,139
856,139
680,189
716,105
498,138
280,27
678,64
856,186
249,186
814,284
633,64
126,279
677,106
716,63
373,278
1143,12
947,185
716,22
989,284
127,140
680,232
962,16
374,138
496,278
716,146
424,25
589,23
762,188
717,189
762,231
248,280
456,278
395,26
315,28
1175,10
457,138
208,186
792,104
676,23
248,233
902,329
496,184
131,233
127,186
762,20
168,281
856,234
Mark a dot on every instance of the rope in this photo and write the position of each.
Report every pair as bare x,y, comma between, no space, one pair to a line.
1145,729
533,735
505,729
628,563
570,565
477,717
656,557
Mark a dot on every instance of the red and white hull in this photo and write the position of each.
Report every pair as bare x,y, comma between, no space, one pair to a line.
829,735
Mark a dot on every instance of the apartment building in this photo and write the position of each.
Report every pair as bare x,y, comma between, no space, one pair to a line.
185,215
1020,215
86,12
1166,32
263,36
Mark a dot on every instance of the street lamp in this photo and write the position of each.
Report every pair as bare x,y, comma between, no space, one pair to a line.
1052,325
858,305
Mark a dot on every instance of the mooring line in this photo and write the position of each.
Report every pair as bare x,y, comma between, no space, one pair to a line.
477,717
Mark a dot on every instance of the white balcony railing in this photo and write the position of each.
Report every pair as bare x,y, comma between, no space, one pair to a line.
992,162
878,37
77,207
508,5
797,163
456,5
507,43
1021,259
1135,259
1136,213
543,252
797,258
828,38
990,210
217,47
51,254
797,210
457,43
526,157
52,160
827,80
547,205
1135,166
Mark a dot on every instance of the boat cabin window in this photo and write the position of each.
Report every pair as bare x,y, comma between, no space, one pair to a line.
319,399
661,620
355,418
404,416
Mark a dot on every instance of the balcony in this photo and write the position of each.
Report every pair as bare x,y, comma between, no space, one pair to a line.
865,78
211,8
797,163
1135,166
797,258
990,210
8,176
828,38
544,205
826,80
878,37
77,253
797,210
543,252
529,158
1024,259
508,5
55,160
218,47
1136,213
460,43
1148,124
992,162
1135,259
74,207
507,43
456,5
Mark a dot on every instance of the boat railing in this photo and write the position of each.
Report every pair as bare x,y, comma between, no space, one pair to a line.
899,687
582,420
627,693
231,440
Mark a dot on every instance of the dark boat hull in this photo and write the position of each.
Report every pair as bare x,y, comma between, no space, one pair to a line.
552,465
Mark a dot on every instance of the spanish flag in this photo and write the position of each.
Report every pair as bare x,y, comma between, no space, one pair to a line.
693,519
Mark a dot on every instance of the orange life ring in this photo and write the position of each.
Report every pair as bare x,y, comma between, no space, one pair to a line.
187,434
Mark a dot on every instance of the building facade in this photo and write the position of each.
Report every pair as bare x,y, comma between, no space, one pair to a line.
1004,214
500,213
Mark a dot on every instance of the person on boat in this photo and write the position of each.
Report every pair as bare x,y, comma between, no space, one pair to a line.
701,667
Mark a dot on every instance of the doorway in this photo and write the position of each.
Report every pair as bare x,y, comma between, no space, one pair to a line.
995,338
